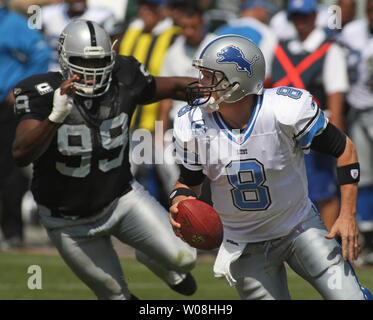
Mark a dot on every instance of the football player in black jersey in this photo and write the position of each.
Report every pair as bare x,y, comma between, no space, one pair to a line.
73,127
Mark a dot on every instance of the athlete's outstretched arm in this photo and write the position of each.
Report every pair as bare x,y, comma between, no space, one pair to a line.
171,88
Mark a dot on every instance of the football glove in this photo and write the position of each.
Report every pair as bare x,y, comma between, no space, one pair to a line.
62,105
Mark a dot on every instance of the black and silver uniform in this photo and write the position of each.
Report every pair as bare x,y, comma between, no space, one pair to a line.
87,164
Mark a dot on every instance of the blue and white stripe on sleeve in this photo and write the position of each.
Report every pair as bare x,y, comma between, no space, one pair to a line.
314,127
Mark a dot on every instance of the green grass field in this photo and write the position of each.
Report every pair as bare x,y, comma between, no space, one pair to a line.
59,283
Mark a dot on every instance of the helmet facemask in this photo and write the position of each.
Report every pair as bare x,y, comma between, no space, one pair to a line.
94,70
85,49
202,95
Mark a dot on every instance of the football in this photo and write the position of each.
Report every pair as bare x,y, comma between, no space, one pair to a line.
201,226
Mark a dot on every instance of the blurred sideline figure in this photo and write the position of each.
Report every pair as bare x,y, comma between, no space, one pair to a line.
357,36
56,17
252,24
23,52
22,6
285,29
178,62
148,38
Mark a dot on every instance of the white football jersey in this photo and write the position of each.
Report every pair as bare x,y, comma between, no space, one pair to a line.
258,176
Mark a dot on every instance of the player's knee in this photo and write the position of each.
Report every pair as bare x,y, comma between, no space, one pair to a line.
184,261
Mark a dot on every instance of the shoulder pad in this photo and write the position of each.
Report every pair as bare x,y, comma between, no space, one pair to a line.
290,104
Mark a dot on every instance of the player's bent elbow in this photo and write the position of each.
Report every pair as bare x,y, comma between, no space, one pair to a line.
20,159
350,153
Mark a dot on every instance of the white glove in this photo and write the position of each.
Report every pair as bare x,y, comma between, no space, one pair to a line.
62,105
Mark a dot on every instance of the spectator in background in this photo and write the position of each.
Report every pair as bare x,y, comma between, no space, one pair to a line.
252,25
311,61
56,17
23,52
348,10
21,6
284,27
176,9
219,12
147,39
178,62
358,36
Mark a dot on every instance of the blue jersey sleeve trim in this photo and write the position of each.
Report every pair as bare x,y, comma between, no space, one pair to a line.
313,130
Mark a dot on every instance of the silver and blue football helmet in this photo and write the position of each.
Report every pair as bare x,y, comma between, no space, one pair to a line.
85,49
238,69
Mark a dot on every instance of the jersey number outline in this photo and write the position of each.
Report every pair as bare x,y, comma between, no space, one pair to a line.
247,177
289,92
81,133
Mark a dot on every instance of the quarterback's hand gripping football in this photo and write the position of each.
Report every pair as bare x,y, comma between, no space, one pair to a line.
63,101
173,213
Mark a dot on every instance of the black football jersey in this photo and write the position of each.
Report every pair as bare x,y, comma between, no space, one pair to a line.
87,164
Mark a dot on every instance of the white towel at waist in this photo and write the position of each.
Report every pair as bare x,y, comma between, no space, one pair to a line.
229,252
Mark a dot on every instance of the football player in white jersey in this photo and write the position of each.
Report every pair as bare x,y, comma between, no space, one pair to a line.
250,142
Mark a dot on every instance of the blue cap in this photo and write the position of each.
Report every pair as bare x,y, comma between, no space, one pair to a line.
258,3
302,6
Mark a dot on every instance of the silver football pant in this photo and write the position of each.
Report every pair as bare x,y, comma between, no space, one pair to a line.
261,274
136,219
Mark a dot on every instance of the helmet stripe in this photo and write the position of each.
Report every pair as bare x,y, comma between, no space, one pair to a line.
93,33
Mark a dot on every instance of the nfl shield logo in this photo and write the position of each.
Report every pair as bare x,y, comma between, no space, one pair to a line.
354,173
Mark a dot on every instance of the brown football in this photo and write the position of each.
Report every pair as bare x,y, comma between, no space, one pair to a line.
201,226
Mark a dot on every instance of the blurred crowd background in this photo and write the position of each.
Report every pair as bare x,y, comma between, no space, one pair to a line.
317,46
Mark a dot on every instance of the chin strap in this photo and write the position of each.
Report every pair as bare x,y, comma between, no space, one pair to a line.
212,105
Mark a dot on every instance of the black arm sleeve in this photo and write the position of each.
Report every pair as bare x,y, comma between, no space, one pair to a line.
189,177
331,141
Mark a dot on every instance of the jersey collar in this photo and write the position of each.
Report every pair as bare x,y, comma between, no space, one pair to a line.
237,136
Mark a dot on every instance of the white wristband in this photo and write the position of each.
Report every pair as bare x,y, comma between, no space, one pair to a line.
62,105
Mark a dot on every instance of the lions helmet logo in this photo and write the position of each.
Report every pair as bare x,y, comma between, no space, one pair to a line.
232,54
